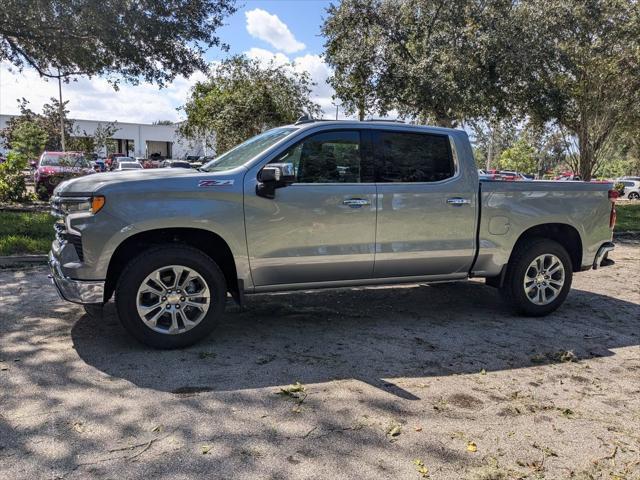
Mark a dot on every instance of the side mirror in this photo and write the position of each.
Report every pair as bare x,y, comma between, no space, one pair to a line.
274,175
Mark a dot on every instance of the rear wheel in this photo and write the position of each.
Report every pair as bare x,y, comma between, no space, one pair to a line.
170,297
538,277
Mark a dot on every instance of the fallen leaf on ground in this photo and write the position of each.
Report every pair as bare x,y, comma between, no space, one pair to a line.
79,427
418,429
394,430
483,372
420,467
157,428
292,390
472,447
206,449
204,355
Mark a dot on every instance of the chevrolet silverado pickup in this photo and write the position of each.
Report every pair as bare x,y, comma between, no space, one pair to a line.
318,204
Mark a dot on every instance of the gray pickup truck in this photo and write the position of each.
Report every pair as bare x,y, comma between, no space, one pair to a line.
313,205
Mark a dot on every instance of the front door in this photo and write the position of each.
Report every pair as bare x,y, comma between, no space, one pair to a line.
322,227
426,207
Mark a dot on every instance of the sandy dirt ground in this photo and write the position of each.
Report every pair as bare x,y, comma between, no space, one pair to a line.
403,383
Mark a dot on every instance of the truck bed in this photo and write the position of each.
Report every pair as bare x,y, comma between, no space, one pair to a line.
508,209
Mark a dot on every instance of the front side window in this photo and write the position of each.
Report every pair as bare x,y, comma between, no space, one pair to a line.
331,157
414,157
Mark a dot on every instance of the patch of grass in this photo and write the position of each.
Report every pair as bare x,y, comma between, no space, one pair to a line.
628,218
25,232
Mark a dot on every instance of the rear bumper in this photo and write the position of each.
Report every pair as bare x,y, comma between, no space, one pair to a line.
76,291
601,259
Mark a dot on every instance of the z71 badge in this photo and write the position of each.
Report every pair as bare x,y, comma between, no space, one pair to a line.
214,183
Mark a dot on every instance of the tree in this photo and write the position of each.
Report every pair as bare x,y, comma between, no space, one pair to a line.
581,70
29,139
352,32
28,142
48,120
92,143
521,157
243,98
145,39
491,138
441,61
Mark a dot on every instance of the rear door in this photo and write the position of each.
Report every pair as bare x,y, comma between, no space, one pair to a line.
322,227
426,206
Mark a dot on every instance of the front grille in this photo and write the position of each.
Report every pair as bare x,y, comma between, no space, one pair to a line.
61,229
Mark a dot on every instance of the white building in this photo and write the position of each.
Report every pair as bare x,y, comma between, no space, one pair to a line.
138,139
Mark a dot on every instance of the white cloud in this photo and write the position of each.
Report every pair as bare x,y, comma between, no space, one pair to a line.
265,26
95,99
265,56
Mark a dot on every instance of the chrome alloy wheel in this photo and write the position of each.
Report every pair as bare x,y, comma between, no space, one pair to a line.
173,299
544,279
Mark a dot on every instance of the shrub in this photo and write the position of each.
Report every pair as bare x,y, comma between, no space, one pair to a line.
13,187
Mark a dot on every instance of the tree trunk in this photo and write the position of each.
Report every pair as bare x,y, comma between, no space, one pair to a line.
587,157
361,109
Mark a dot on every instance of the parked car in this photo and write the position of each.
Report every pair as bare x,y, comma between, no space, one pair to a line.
54,167
116,161
128,165
568,177
148,163
175,164
316,205
111,157
631,189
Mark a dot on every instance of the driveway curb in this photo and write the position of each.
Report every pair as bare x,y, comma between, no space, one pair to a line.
21,260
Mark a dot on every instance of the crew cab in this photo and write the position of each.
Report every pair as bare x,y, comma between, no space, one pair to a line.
318,204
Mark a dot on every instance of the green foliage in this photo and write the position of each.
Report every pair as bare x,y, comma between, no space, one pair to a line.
436,61
13,187
580,69
243,98
90,144
29,139
25,232
521,157
48,120
145,39
352,32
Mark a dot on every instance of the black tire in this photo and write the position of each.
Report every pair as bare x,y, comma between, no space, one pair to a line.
634,196
144,264
513,287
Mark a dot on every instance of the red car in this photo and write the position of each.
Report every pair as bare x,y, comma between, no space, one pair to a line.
54,167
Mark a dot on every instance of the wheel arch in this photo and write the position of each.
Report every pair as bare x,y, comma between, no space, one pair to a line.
565,234
210,243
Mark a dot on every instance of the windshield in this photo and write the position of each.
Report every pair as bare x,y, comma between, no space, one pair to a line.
244,152
63,161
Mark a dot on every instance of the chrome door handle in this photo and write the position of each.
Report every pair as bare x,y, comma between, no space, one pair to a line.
356,202
458,201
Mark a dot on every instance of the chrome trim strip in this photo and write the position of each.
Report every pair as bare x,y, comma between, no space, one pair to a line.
602,253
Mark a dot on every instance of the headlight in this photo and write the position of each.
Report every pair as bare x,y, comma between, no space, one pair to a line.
70,205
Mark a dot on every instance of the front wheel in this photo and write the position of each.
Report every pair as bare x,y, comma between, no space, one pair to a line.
538,277
634,196
170,296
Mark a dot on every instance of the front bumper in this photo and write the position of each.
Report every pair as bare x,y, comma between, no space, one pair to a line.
76,291
601,259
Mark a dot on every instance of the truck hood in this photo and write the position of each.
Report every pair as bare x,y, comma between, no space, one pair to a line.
92,183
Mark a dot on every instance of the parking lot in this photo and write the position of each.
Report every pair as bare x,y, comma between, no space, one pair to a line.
395,382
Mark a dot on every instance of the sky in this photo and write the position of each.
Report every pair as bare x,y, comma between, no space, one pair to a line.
283,30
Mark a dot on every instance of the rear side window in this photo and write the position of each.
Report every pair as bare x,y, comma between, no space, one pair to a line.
413,157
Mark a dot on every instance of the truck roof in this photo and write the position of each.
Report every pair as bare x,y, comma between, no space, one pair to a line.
373,123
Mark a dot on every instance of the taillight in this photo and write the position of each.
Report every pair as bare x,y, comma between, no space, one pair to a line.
613,195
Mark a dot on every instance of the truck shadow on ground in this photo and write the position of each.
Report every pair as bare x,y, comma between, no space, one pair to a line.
375,335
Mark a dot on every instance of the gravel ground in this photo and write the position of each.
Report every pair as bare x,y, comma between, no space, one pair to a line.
397,382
